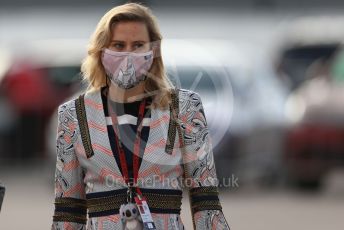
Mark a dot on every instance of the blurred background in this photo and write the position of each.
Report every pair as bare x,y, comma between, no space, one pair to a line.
271,77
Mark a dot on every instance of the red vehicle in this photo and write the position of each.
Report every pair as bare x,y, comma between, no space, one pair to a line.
315,142
37,80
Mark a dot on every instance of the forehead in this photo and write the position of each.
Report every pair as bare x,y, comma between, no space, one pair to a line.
130,31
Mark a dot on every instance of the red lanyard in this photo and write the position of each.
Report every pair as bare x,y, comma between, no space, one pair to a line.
137,143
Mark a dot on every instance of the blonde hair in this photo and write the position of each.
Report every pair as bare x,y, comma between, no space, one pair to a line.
157,82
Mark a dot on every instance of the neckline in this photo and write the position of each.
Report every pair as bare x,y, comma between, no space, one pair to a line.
125,102
104,92
104,111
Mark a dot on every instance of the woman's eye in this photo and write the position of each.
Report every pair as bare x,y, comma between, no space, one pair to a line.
137,46
118,46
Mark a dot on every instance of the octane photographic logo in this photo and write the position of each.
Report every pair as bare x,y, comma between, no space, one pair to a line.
198,66
156,180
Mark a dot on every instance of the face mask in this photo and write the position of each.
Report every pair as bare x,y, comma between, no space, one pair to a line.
126,69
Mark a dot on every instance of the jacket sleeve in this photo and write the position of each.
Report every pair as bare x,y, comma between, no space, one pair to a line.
70,203
199,167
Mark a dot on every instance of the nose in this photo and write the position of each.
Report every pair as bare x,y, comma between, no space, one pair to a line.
128,213
128,49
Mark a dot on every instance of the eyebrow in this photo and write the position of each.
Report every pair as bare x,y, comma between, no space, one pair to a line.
124,41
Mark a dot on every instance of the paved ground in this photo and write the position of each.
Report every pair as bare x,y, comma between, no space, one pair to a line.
29,198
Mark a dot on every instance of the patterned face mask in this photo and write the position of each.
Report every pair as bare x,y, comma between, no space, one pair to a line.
126,69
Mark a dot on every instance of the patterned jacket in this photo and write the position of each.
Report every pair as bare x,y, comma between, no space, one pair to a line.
89,187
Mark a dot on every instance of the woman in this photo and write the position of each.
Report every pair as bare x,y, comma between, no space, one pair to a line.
116,152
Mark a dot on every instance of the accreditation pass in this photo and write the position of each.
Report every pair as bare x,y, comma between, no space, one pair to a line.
145,213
